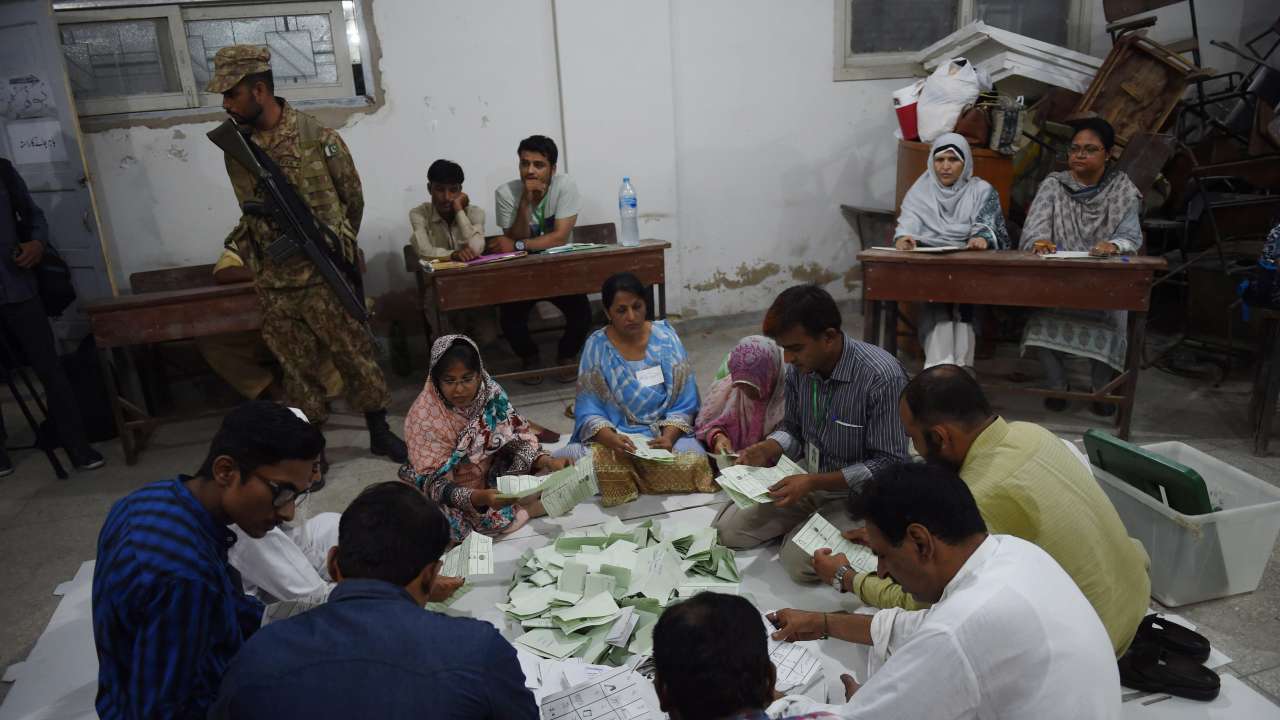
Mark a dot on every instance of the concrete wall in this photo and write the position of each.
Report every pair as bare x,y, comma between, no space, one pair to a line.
724,114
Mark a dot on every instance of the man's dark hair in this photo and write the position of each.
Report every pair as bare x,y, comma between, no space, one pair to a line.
260,433
540,144
946,393
264,77
446,172
806,306
711,656
1100,127
622,282
927,494
390,532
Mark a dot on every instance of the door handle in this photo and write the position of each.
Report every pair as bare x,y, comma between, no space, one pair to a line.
88,226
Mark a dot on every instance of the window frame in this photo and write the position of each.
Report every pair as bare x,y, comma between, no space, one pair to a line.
193,97
882,66
138,103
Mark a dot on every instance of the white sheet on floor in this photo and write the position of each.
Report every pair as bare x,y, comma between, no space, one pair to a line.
58,681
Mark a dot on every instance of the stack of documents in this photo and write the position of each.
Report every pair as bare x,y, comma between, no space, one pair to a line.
644,452
818,533
573,247
797,667
619,694
596,593
561,490
473,556
747,486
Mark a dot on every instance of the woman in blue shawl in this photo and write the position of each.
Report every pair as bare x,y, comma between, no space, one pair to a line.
636,379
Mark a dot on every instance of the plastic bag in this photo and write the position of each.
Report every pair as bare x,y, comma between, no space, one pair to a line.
947,91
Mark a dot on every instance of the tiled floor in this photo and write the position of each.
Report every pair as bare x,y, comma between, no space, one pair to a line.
48,527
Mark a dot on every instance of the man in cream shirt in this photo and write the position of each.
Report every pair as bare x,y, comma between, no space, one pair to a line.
1008,635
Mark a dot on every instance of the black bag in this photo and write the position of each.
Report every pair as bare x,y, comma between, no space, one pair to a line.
53,280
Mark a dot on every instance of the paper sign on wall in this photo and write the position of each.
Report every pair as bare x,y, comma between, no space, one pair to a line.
35,142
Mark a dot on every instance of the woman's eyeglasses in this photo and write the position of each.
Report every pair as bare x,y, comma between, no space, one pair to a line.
1084,150
461,382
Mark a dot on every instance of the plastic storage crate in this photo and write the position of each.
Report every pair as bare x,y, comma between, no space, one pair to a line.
1201,557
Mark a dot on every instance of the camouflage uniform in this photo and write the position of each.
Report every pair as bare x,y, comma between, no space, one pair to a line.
301,314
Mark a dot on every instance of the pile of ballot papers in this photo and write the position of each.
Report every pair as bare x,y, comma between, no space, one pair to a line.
596,593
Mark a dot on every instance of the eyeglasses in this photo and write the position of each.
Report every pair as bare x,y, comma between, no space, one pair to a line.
282,495
465,380
1085,150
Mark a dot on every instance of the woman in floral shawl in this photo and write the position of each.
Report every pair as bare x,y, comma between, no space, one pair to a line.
462,434
746,401
1090,207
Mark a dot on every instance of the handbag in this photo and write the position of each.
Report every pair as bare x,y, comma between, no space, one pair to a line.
53,283
53,276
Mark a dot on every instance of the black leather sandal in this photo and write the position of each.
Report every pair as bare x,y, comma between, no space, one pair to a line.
1155,669
1170,635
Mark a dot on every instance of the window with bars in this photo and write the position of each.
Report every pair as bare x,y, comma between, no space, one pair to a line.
878,39
160,57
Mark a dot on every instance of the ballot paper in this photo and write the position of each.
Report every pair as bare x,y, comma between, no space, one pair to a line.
644,452
473,556
818,533
518,486
571,488
623,626
449,601
797,667
551,643
724,460
288,608
747,485
621,694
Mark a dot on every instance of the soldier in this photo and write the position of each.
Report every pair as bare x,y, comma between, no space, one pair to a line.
300,313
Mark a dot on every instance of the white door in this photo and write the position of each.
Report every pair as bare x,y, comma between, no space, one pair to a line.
40,133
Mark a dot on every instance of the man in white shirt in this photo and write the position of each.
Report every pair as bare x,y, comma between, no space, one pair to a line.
1008,635
536,212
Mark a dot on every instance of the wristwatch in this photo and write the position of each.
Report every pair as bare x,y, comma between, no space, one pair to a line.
837,582
520,246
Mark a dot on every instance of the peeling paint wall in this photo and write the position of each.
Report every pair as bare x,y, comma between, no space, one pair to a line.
740,145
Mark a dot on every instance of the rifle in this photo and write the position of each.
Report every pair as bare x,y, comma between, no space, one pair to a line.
300,231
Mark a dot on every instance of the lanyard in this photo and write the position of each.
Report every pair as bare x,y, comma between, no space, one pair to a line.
821,412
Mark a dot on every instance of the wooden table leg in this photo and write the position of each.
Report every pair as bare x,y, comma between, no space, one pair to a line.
1269,385
662,299
117,410
1132,365
891,328
871,322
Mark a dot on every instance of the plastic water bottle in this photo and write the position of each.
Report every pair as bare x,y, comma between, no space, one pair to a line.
628,209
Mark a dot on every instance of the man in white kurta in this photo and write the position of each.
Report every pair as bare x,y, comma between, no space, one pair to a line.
1008,635
1012,636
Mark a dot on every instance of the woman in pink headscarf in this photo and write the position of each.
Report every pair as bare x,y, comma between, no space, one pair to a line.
746,401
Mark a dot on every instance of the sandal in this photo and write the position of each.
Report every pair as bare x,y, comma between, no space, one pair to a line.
1155,669
1169,635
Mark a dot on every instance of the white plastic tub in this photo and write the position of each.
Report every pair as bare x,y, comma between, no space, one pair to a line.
1201,557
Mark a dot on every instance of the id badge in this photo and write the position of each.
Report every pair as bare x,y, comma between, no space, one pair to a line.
812,457
650,376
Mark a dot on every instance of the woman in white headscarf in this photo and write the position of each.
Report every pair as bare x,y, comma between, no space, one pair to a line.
948,207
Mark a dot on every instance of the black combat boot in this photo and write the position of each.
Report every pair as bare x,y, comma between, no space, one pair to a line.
381,440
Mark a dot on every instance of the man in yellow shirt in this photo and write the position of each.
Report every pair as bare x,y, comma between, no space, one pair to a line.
1028,483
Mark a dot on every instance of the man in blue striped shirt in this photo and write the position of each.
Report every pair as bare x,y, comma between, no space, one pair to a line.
841,423
169,611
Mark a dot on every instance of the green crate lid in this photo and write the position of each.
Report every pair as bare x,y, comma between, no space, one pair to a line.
1147,471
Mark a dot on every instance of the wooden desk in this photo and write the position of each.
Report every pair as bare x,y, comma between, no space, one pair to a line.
1020,279
536,277
120,323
